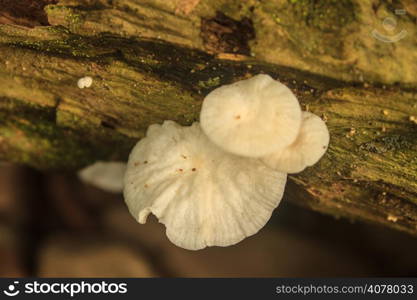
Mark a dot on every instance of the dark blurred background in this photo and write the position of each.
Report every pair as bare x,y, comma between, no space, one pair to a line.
51,224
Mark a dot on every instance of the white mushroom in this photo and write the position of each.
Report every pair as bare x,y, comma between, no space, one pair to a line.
107,176
203,195
306,150
85,82
252,117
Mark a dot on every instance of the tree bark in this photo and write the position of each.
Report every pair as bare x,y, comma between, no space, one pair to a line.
155,60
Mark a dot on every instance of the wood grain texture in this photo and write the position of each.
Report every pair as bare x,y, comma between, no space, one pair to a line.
151,61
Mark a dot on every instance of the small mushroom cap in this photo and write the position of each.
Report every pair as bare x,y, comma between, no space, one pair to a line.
252,117
203,195
306,150
107,176
85,82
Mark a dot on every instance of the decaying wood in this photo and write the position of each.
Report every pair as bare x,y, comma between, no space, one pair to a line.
155,60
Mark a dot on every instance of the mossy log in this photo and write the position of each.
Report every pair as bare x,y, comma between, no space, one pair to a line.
155,60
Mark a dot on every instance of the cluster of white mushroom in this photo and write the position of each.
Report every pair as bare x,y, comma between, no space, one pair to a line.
216,182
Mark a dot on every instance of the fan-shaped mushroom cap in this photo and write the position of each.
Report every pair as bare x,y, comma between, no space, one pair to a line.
107,176
306,150
252,117
203,195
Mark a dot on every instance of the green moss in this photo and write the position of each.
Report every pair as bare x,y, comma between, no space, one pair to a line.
75,46
32,137
211,82
388,143
237,9
73,20
58,29
328,16
65,118
307,28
